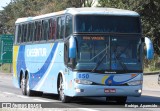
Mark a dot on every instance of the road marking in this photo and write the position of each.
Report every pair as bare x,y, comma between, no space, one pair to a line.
41,100
87,109
8,93
22,96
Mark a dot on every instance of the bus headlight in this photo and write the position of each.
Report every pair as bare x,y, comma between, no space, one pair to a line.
134,83
83,81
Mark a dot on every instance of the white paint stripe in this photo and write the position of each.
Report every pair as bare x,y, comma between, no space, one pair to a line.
22,96
87,109
47,73
8,93
41,100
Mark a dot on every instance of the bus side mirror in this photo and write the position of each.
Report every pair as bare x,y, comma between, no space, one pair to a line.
149,48
72,48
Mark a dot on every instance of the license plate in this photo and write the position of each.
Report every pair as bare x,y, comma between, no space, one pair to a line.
109,90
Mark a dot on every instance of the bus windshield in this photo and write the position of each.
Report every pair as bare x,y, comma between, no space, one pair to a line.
107,24
122,53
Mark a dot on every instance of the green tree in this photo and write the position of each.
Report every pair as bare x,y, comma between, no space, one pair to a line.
150,13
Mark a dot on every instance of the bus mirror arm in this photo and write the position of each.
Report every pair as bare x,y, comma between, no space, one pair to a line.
149,48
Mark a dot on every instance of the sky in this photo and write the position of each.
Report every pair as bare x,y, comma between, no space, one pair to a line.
4,3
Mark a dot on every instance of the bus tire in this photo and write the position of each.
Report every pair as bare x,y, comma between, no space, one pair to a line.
23,85
62,96
28,91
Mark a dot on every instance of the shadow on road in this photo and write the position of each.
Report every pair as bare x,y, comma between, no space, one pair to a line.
93,102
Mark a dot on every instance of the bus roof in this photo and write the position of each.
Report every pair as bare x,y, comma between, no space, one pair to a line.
83,11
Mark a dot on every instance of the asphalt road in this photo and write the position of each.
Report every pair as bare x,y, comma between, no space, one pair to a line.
151,94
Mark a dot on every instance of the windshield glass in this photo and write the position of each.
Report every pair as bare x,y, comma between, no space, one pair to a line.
90,51
125,53
121,54
101,23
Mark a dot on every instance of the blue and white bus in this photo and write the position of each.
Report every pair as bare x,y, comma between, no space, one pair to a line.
78,53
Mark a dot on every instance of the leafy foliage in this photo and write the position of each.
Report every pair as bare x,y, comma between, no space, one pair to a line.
148,9
150,13
24,8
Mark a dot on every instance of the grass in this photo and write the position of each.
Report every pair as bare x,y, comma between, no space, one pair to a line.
6,68
146,70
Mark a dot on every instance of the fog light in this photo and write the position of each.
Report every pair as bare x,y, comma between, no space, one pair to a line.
139,91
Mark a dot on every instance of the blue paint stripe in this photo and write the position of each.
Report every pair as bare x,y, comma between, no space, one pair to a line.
40,73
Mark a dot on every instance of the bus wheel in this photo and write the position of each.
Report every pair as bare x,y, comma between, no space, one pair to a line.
23,86
28,91
62,96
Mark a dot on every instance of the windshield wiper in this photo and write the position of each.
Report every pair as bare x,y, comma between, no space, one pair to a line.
100,61
97,55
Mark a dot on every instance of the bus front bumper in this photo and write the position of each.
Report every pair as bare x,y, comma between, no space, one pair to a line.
104,91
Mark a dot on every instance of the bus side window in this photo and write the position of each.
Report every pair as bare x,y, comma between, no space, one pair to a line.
19,36
38,30
35,31
22,40
32,31
45,29
28,32
68,29
25,33
16,34
60,27
52,29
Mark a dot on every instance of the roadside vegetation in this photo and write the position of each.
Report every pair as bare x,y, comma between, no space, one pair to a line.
6,68
148,9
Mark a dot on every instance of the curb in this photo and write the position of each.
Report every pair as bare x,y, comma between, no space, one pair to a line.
151,73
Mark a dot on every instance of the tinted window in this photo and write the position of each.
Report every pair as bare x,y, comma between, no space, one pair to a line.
24,33
119,24
19,38
32,31
45,30
29,32
52,29
68,26
60,27
38,32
